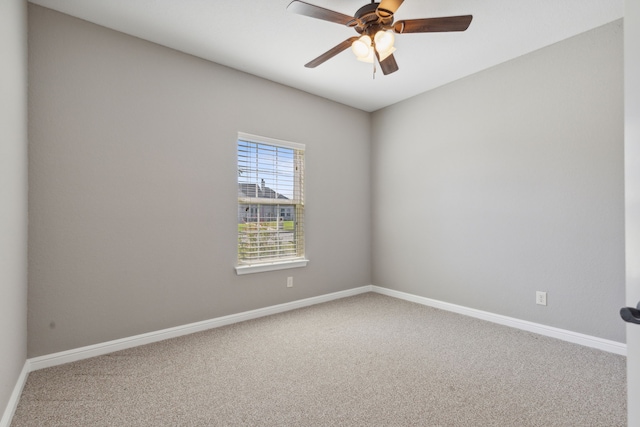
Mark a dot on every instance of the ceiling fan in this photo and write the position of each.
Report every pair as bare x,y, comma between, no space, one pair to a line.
374,23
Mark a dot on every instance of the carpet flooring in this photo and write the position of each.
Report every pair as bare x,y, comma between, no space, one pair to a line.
367,360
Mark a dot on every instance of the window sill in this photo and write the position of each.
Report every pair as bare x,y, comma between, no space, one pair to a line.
272,266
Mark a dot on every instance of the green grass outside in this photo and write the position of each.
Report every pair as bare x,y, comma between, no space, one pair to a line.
286,225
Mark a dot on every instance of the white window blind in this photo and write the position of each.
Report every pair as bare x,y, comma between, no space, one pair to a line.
270,201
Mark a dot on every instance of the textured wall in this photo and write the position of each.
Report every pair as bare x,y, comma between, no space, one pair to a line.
507,182
13,195
133,186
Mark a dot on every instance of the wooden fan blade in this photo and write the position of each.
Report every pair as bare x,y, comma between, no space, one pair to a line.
389,65
331,53
386,8
433,25
318,12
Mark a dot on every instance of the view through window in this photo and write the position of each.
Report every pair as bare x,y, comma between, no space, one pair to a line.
270,200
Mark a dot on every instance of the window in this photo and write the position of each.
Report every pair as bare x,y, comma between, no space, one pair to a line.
270,204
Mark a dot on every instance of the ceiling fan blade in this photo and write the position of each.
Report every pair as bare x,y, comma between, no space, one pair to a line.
389,65
386,8
318,12
331,53
433,25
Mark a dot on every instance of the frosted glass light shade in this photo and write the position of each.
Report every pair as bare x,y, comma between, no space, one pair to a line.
361,47
384,41
368,58
384,44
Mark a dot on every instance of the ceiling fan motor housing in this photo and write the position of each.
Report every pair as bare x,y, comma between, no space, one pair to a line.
369,19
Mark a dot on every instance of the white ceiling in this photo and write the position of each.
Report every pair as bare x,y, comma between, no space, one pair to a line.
260,37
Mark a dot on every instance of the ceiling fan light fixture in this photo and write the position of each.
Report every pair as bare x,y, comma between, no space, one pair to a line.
368,58
361,48
384,41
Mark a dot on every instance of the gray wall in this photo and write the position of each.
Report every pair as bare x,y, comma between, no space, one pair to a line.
485,190
13,195
507,182
133,214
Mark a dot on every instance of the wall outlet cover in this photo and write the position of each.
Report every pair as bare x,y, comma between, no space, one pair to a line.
541,298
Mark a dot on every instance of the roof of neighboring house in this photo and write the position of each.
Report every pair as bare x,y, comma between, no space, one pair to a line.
255,190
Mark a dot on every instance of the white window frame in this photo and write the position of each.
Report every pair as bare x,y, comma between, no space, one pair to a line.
275,264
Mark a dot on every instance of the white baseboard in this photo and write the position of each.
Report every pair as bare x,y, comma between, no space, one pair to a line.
73,355
15,396
549,331
76,354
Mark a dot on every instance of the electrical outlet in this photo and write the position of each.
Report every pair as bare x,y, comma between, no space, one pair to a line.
541,298
289,282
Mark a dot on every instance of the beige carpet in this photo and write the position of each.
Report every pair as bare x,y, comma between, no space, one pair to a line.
368,360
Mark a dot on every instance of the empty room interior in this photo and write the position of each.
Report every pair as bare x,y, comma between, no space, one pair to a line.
457,219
